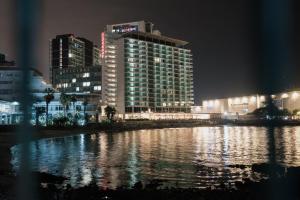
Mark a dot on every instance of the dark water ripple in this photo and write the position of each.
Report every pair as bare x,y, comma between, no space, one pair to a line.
184,157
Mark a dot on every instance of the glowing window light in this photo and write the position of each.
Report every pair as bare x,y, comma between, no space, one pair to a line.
295,95
229,101
253,99
262,98
284,96
204,103
245,100
273,96
217,103
210,103
237,100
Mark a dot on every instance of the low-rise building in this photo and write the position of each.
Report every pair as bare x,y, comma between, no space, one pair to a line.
242,105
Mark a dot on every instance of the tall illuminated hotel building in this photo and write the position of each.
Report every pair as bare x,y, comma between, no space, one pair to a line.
144,71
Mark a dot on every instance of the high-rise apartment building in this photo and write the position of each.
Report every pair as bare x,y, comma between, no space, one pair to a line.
144,71
75,65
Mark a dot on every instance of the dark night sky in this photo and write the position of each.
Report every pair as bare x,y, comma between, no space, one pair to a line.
224,36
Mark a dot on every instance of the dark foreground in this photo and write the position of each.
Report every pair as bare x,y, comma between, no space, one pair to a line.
284,185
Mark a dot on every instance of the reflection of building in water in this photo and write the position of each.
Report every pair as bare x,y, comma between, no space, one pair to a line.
246,104
186,157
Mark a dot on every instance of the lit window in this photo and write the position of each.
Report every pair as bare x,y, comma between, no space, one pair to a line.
97,88
253,99
85,75
245,100
86,84
217,103
74,80
237,100
77,89
70,55
157,60
130,60
284,96
295,95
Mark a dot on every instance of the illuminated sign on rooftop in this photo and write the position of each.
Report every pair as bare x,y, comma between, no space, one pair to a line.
124,28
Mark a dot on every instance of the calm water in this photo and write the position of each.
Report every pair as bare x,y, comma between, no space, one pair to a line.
183,157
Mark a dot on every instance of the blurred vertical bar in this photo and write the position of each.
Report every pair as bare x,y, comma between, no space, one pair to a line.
275,33
26,18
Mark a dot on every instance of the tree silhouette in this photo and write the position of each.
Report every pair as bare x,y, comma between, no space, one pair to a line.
270,110
48,98
65,101
85,103
110,112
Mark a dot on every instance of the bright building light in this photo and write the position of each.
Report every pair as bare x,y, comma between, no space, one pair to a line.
74,80
229,100
285,95
253,99
237,100
295,95
205,103
85,75
217,102
86,84
262,98
245,100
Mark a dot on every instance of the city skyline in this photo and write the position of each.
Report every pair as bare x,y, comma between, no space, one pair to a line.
225,44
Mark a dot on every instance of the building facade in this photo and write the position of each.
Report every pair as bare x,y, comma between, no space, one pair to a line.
10,80
145,71
243,105
9,113
75,65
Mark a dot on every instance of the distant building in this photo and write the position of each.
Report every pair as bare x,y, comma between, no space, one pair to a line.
75,66
4,62
144,71
10,80
247,104
9,112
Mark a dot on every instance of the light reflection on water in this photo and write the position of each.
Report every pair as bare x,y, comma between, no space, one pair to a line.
183,157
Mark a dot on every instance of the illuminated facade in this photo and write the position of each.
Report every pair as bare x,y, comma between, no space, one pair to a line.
247,104
9,112
10,79
75,65
145,71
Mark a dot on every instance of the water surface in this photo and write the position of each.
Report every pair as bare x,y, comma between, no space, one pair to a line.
180,157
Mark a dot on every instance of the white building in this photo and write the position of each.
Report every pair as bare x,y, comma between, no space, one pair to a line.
242,105
10,80
9,112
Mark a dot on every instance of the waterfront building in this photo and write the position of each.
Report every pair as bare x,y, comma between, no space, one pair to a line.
242,105
10,80
75,66
9,113
144,71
